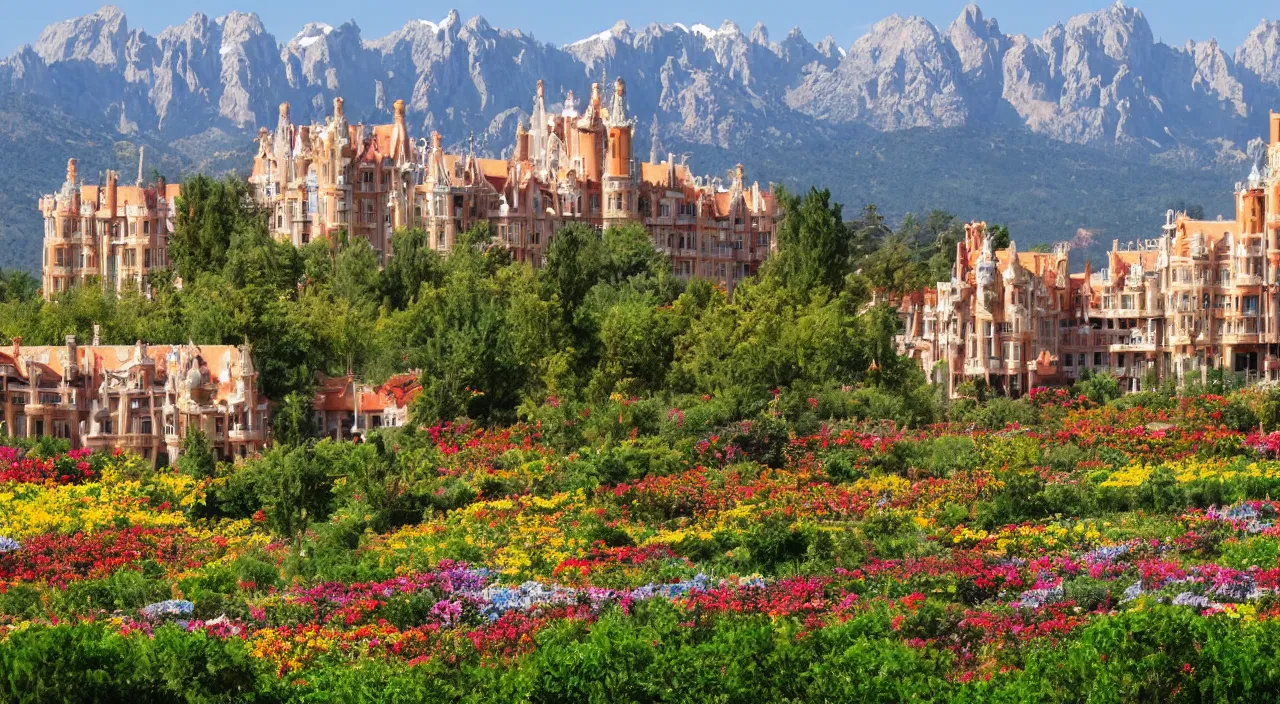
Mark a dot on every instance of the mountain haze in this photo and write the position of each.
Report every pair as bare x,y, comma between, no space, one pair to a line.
909,116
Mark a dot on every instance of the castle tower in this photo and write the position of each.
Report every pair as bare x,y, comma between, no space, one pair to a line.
110,206
619,187
283,144
589,138
402,156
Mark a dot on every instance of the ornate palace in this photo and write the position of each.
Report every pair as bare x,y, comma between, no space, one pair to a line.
571,165
111,233
1202,295
574,165
141,398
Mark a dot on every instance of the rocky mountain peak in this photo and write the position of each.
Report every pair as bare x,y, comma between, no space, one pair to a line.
978,43
1260,52
1119,32
99,37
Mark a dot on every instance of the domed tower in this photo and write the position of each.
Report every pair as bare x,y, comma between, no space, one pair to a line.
619,186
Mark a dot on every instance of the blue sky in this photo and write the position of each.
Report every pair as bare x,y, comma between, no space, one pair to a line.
1174,21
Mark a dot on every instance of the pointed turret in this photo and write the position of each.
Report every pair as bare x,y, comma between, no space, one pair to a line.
538,125
620,133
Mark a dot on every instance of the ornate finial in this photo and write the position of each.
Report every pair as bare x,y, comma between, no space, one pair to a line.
435,139
284,111
619,87
399,110
542,89
337,107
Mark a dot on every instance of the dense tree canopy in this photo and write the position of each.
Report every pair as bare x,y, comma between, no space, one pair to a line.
493,340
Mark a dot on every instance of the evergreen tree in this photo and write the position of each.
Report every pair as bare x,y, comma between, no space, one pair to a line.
197,460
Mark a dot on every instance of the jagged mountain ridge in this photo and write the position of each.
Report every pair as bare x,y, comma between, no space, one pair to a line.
1101,78
1096,91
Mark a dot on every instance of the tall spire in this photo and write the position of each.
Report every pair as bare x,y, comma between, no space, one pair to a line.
538,124
618,107
656,151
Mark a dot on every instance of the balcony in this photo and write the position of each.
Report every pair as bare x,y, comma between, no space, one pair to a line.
246,435
980,366
1136,343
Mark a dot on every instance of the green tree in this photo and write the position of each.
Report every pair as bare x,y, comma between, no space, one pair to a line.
1099,388
413,263
197,460
209,212
813,243
298,489
17,285
356,276
293,422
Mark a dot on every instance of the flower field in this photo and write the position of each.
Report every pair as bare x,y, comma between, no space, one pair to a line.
1101,554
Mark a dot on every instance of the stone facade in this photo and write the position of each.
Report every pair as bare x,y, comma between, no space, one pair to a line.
568,166
110,233
141,398
1202,295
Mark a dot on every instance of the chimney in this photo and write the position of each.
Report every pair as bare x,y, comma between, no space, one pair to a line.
17,346
1275,128
97,329
111,194
522,143
73,359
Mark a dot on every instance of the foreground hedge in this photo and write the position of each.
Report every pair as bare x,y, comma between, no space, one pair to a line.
1160,654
